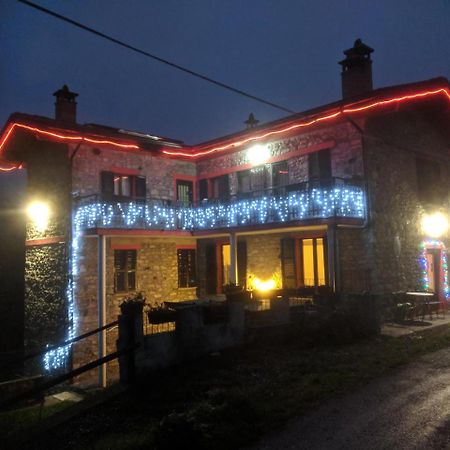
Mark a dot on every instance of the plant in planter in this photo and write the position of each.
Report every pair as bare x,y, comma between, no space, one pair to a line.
158,314
133,304
235,292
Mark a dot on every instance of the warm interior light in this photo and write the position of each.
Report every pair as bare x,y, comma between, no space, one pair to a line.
264,286
39,213
258,154
434,225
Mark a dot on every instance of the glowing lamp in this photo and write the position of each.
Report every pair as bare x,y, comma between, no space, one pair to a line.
39,212
434,225
264,286
258,154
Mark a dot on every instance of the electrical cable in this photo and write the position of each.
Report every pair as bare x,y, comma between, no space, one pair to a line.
157,58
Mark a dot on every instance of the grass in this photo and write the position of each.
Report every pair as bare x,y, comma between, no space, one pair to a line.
231,400
16,420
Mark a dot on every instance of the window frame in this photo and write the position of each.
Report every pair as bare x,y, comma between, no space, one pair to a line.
137,183
189,279
126,270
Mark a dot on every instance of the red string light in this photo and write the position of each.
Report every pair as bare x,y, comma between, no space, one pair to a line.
345,110
309,123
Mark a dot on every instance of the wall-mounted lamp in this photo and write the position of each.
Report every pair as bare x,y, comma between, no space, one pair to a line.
434,225
39,212
258,154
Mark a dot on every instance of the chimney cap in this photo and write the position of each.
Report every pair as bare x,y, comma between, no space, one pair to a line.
358,51
64,93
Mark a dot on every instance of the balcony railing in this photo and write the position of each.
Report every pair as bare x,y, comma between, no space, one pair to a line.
338,201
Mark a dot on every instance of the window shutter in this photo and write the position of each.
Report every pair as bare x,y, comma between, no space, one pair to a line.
141,187
242,262
288,268
107,184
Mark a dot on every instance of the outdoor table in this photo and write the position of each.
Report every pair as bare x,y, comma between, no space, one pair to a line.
422,299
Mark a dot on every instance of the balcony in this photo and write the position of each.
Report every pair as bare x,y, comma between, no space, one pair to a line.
303,202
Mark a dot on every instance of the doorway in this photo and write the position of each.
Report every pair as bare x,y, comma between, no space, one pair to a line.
433,258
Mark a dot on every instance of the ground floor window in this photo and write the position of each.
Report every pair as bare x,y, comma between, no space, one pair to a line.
304,262
187,274
125,270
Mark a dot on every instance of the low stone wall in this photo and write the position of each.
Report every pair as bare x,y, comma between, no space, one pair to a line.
192,338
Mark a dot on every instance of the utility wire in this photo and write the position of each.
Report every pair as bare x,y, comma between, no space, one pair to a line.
149,55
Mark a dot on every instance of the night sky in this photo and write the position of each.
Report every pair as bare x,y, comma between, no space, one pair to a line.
284,51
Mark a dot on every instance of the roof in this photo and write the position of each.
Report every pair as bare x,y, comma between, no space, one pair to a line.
132,140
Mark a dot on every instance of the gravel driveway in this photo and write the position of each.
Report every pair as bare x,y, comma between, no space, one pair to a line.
409,409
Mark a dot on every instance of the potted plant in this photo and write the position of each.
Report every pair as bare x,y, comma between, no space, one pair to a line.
133,304
235,293
158,314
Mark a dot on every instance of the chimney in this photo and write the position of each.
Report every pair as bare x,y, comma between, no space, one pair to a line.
356,70
65,105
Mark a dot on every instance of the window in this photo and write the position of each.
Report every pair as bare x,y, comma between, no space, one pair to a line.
252,180
116,185
280,175
187,274
220,188
319,168
185,192
428,180
125,270
304,262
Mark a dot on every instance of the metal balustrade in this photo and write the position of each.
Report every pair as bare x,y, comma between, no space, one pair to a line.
333,201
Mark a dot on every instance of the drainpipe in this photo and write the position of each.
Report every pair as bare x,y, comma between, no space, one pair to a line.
331,249
102,307
233,259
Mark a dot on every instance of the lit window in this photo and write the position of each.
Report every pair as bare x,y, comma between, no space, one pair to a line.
116,185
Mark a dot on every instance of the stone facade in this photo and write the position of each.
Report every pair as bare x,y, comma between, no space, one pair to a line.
160,172
156,278
393,235
346,154
263,258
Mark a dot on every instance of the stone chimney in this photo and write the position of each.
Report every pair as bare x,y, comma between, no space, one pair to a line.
65,105
356,70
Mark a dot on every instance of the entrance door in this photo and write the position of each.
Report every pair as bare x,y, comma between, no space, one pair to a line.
433,256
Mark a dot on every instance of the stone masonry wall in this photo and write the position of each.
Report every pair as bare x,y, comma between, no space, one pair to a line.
159,172
156,277
263,257
393,237
346,155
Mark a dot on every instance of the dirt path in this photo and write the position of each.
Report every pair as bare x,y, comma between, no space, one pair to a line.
407,410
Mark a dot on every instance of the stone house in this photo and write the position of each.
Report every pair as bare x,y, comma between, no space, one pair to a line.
334,196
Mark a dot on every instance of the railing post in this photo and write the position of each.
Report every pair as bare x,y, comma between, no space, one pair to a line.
131,332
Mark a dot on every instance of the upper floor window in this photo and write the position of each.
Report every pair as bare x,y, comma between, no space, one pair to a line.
280,174
187,276
252,180
122,185
428,180
319,168
125,270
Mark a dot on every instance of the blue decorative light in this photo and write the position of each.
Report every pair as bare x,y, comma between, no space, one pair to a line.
317,203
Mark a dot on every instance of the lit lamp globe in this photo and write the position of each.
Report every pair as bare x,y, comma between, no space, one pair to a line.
435,225
38,212
258,154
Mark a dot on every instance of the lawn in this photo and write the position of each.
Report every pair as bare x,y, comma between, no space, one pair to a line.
230,400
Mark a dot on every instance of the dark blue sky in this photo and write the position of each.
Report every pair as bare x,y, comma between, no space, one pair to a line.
282,50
